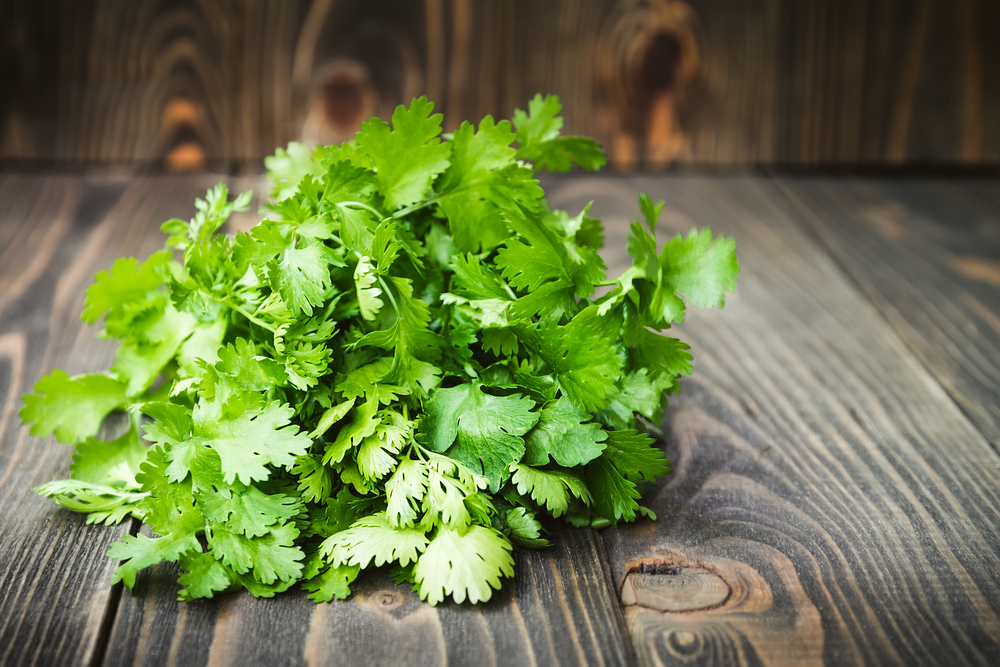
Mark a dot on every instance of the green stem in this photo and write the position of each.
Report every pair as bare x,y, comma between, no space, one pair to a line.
418,450
416,207
392,299
357,204
227,302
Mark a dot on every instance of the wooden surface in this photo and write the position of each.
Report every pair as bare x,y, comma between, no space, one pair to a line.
835,496
220,82
927,254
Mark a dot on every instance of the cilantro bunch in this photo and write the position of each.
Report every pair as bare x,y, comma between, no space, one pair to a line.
403,364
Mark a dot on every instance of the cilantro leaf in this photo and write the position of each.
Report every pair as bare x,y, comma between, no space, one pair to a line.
286,168
101,462
269,558
102,503
203,577
699,269
248,511
408,156
614,495
334,582
562,435
404,491
525,530
539,140
485,429
301,276
586,365
551,488
473,185
247,443
463,565
72,408
634,457
152,345
368,296
140,551
373,539
126,282
638,393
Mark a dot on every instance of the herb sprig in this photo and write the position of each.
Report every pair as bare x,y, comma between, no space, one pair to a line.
403,364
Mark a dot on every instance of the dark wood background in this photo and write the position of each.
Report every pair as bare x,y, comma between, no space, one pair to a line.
219,83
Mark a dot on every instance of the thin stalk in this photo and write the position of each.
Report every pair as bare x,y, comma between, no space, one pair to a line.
416,207
357,204
392,299
261,323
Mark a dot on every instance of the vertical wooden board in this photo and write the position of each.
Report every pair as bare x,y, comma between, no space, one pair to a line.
773,81
820,471
560,609
927,253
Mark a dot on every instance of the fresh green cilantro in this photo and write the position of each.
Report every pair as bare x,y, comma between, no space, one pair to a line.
463,565
405,363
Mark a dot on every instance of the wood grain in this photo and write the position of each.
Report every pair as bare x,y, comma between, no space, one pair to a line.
55,594
57,604
820,469
927,253
194,85
560,609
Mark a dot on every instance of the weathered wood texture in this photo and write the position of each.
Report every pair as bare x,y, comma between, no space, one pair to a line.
560,609
55,576
57,607
55,234
820,470
191,83
927,253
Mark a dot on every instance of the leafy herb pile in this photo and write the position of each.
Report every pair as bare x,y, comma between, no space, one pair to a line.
405,363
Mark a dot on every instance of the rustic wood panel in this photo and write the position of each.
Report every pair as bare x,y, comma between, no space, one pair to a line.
927,253
820,470
560,609
191,84
196,83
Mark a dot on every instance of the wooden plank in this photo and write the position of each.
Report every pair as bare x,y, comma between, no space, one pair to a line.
560,609
927,253
820,471
57,605
55,596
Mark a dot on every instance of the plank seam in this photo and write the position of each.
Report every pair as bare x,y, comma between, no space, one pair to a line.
110,612
631,656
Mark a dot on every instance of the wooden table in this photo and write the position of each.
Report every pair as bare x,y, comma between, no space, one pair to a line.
836,488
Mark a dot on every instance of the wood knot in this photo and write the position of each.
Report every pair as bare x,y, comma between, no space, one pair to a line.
387,600
684,643
673,587
342,97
